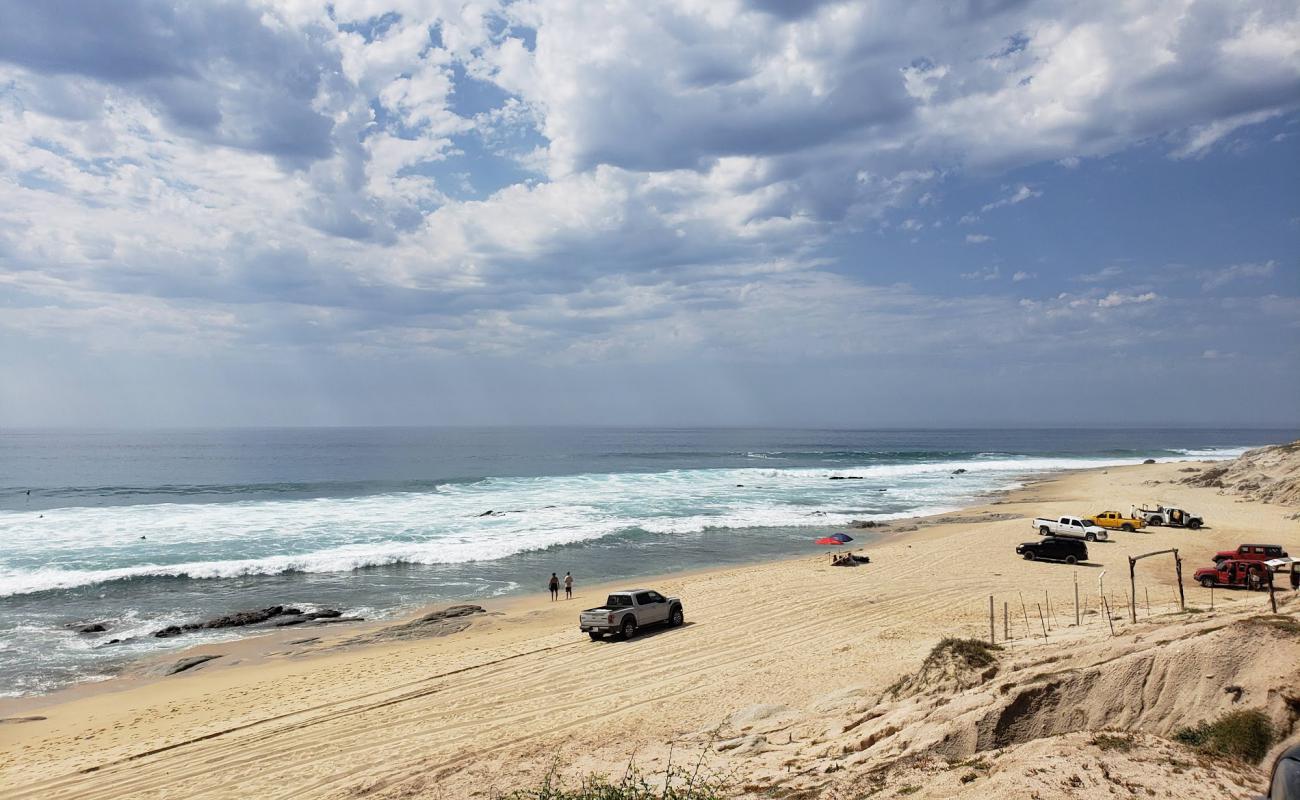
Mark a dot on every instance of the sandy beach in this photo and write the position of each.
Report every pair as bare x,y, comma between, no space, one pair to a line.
771,652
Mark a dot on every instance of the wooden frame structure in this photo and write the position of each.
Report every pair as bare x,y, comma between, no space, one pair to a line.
1132,579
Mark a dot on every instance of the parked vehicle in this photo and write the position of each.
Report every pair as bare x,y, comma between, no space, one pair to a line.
1117,521
1171,516
1073,527
1251,552
1054,548
1248,574
625,612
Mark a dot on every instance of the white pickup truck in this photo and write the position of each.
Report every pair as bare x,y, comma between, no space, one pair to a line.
626,611
1073,527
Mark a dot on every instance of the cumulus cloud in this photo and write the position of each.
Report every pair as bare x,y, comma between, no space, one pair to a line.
1021,275
561,179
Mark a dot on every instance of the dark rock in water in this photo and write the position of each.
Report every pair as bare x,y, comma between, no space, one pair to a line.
241,618
846,477
959,472
94,627
1149,461
487,513
327,620
238,619
324,615
189,663
867,523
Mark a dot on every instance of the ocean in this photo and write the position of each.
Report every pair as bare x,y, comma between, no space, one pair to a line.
143,529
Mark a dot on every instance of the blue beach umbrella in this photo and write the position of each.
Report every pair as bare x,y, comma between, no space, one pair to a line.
843,537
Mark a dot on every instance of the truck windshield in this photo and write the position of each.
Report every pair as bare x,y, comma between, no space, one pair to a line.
618,601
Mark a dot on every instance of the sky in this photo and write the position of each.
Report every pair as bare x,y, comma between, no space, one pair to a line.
724,212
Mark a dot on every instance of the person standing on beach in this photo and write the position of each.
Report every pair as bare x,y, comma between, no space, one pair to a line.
554,586
568,586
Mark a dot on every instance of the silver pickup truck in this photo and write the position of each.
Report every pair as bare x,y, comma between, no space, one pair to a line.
624,612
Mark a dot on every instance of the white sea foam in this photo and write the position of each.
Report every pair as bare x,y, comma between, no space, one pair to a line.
76,546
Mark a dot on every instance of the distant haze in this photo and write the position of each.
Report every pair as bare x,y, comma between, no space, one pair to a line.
675,213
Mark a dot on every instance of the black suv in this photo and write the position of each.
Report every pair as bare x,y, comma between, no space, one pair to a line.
1054,548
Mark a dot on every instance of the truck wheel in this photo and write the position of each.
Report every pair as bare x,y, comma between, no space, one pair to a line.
1071,560
1207,582
1092,537
1194,524
1043,530
628,628
1127,528
1029,555
1155,522
676,618
595,635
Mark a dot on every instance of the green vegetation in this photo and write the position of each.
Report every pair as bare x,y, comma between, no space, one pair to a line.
674,783
1280,621
1245,735
1110,741
975,653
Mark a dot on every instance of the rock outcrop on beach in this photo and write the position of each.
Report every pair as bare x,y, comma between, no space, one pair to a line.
444,622
256,616
1267,474
189,663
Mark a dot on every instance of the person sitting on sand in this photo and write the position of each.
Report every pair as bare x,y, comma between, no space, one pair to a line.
568,586
554,586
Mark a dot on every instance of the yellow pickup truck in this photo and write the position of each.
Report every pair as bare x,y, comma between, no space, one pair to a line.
1116,521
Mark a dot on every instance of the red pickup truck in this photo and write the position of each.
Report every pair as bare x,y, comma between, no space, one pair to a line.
1250,574
1251,552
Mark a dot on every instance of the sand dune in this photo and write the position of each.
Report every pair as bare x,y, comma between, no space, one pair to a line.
788,654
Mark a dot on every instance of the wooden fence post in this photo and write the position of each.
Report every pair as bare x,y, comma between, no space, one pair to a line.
992,638
1077,620
1132,584
1178,567
1042,621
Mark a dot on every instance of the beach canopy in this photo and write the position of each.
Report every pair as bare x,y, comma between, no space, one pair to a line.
829,540
843,537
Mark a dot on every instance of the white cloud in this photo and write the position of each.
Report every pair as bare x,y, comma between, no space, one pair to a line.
1118,299
1023,276
983,274
656,173
1020,195
1214,279
1104,274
